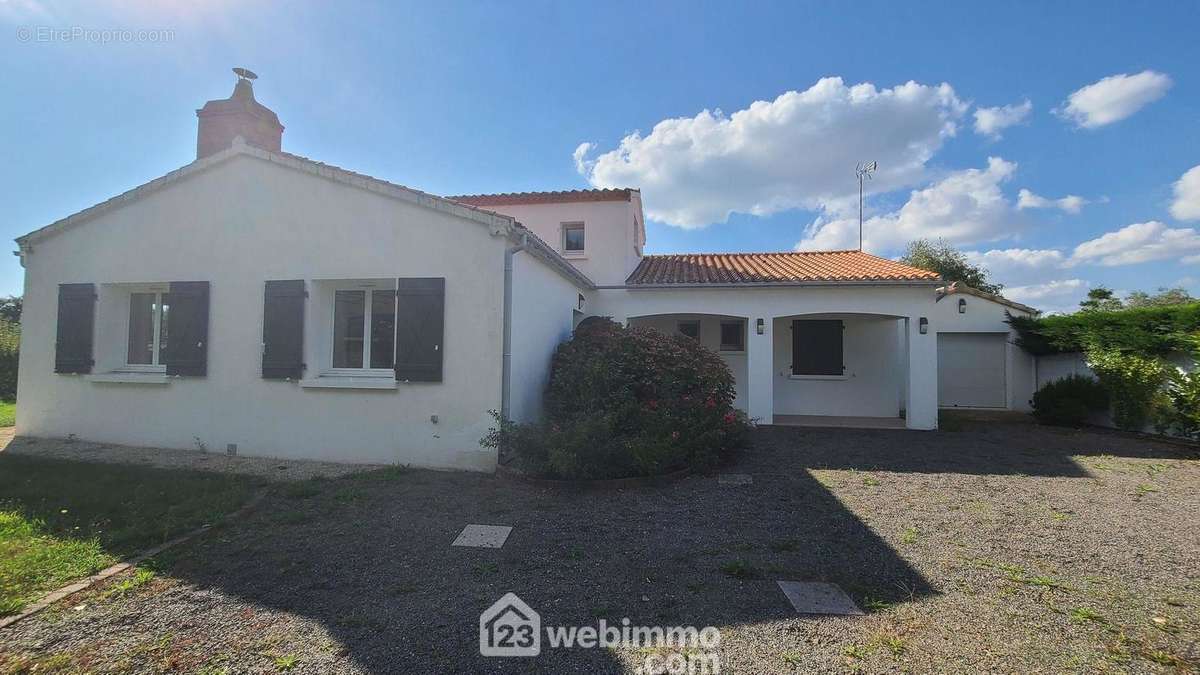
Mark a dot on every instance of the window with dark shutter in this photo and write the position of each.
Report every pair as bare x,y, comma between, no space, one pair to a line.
420,312
186,351
817,347
283,330
76,318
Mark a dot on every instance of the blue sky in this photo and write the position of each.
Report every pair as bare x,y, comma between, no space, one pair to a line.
492,96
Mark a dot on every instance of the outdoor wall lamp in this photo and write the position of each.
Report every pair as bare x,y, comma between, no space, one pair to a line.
923,325
759,324
962,305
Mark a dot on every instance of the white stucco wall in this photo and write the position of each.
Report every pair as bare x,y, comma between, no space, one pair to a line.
610,234
544,304
237,225
987,316
874,375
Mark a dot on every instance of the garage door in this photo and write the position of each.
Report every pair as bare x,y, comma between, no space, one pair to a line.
971,370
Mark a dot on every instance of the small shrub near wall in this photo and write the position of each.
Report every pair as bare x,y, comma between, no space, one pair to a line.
628,402
1069,401
10,343
1177,412
1133,383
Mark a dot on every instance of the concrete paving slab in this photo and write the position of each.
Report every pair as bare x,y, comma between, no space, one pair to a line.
809,597
483,536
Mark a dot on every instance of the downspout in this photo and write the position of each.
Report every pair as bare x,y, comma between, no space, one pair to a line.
506,363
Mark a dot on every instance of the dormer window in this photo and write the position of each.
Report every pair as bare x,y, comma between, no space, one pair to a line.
572,238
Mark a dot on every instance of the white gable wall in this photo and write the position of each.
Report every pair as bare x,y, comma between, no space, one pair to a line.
610,234
238,225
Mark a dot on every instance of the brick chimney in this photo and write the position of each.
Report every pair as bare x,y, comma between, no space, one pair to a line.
222,120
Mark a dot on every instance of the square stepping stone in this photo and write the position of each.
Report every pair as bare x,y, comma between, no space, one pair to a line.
483,536
810,597
735,479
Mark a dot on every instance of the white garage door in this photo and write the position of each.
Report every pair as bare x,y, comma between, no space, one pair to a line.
971,370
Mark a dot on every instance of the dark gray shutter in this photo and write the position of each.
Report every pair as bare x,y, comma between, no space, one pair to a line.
420,313
283,330
186,351
76,318
817,347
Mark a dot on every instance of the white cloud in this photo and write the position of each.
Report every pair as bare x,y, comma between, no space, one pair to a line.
1027,199
582,165
1113,98
797,151
1187,195
966,207
1052,297
1139,243
1018,265
991,122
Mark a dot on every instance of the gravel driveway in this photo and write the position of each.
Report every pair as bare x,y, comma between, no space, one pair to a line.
1001,547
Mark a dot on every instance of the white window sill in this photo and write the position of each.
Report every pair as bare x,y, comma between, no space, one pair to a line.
818,377
575,255
130,378
348,382
732,352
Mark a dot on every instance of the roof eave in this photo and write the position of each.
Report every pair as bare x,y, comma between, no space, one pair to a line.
778,284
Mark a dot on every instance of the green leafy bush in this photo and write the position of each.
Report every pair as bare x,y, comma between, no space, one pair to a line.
1149,331
1178,410
628,402
10,343
1069,400
1133,382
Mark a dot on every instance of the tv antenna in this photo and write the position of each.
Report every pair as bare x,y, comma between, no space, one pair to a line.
863,170
245,74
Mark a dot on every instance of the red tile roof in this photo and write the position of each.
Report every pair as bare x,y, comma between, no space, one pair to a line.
561,197
750,268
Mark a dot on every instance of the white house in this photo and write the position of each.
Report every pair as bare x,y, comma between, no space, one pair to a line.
263,303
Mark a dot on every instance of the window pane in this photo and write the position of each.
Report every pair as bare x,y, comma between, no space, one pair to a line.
141,329
690,329
165,311
349,313
731,336
383,328
573,238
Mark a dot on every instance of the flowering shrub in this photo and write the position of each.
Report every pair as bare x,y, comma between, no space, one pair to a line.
629,402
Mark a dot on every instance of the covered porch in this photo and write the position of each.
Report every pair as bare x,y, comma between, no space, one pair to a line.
830,369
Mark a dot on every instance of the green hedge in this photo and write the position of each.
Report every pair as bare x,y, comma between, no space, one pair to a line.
10,344
1146,331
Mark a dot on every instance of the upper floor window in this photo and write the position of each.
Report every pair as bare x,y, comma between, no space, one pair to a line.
147,330
572,237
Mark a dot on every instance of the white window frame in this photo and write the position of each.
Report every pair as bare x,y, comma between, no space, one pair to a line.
367,288
156,364
573,253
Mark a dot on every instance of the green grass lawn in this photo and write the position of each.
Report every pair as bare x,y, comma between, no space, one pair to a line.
8,413
62,520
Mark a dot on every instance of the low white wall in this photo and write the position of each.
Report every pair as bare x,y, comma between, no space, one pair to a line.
542,317
1053,367
874,375
237,225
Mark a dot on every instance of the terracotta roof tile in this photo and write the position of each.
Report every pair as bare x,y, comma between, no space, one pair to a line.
560,197
750,268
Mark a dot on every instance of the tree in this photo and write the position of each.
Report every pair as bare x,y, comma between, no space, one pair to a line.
1164,297
939,256
1101,299
10,308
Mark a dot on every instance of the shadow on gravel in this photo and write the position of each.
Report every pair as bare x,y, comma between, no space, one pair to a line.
369,558
973,447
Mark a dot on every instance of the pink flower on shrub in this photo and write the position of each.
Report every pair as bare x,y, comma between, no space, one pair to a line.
729,418
652,404
710,403
675,435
